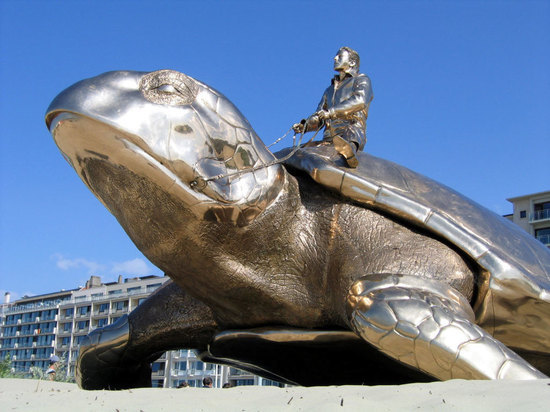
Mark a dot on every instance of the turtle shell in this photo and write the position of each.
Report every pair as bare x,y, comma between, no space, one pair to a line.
513,292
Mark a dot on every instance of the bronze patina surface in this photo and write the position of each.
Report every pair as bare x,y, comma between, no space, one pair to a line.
307,272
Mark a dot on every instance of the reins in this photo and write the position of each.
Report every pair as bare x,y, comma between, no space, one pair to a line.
199,182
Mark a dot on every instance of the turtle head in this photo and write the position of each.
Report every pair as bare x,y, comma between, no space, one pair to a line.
170,132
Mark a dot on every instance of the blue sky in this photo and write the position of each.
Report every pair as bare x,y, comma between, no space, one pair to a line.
461,95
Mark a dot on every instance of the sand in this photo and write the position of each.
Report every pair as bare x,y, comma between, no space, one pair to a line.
455,395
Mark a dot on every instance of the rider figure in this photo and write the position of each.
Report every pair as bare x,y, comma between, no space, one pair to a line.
344,108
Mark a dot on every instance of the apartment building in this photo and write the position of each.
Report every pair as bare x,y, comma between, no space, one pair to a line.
28,330
32,329
532,213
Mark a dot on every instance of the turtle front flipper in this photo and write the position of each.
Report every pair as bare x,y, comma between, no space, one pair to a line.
429,326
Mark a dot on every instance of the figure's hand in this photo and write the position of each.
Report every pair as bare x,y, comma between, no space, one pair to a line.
322,114
299,127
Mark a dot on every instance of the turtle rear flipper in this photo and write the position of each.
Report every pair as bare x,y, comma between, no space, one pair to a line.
430,326
103,364
119,356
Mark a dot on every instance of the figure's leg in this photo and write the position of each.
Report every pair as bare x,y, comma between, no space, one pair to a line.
346,149
118,356
430,326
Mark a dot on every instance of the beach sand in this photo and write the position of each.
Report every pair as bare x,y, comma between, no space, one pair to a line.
454,395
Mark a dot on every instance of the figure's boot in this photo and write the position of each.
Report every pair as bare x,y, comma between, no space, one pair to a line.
347,150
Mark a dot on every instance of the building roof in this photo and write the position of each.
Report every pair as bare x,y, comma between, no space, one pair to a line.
514,199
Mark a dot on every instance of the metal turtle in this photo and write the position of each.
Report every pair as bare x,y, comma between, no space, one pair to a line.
309,273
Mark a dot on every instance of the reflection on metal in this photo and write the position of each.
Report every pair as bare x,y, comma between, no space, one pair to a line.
399,273
108,347
175,129
428,325
344,108
515,267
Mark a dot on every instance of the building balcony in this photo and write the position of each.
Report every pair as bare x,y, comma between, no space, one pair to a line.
545,239
539,215
197,372
184,354
99,313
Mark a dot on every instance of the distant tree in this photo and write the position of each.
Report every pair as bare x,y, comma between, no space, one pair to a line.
36,372
5,367
61,372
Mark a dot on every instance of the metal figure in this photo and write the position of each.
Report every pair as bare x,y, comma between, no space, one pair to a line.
308,272
344,108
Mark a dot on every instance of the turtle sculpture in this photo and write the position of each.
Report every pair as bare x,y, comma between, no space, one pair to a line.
292,265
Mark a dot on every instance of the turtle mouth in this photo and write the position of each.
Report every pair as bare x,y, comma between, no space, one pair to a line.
81,138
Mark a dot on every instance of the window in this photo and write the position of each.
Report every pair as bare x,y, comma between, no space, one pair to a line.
269,382
543,235
65,341
121,305
101,322
83,324
182,366
104,307
49,314
47,327
115,292
542,206
135,290
153,287
69,313
44,340
196,365
78,339
542,211
244,382
522,214
83,310
158,368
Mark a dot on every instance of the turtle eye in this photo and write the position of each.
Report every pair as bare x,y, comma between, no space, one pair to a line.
168,87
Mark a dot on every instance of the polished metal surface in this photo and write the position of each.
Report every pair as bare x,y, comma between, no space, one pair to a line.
172,125
250,243
104,353
428,325
513,291
344,106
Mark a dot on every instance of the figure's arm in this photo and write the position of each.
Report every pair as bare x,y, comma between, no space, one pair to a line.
313,122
